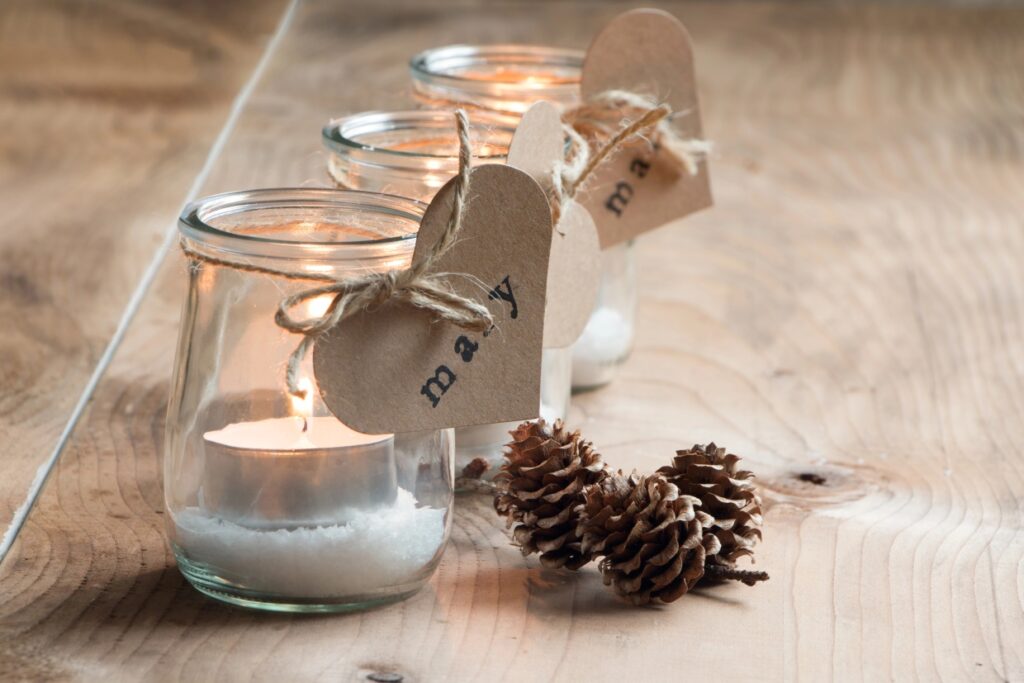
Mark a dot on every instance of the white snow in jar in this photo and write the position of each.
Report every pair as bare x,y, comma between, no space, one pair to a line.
375,549
605,342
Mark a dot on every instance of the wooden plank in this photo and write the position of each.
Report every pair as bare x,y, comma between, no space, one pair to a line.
851,309
109,110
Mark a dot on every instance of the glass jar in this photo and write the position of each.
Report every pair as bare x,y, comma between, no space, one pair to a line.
408,153
272,502
504,80
414,153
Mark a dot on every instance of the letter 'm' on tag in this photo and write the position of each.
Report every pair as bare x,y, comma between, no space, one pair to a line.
617,201
438,385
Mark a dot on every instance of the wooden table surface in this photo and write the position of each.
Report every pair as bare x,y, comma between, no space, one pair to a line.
849,317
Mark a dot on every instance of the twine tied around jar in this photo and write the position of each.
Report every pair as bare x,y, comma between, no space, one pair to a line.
609,120
417,285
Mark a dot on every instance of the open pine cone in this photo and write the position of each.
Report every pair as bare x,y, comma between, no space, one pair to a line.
725,493
650,537
540,485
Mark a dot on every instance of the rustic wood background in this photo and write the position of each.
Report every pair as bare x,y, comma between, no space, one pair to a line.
850,317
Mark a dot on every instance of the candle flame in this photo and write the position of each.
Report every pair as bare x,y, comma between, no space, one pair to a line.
318,306
302,403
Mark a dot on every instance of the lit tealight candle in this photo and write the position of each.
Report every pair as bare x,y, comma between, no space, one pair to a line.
290,472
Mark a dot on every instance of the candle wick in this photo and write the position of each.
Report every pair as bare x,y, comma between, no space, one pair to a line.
305,424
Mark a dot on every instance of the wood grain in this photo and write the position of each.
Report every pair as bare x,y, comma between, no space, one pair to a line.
849,317
108,112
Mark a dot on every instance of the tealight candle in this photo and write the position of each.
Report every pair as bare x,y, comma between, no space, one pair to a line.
272,501
287,472
504,81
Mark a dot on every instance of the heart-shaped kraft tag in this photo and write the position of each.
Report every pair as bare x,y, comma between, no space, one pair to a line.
646,52
574,268
396,368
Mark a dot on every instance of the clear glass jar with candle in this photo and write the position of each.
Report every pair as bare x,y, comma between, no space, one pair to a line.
504,80
272,502
414,153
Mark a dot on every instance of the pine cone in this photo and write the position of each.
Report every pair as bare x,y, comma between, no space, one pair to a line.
650,537
726,494
540,485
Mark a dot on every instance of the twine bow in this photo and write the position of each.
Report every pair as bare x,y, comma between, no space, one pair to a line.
417,285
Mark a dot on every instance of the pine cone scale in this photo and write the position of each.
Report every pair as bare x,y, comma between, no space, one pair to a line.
553,544
559,517
573,490
661,577
666,553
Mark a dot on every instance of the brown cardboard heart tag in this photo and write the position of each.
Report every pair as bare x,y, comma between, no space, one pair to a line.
397,369
574,268
648,52
538,142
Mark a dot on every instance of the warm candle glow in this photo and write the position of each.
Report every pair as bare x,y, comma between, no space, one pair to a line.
318,306
302,405
320,268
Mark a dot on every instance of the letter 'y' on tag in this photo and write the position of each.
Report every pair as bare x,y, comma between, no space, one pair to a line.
397,368
574,269
647,52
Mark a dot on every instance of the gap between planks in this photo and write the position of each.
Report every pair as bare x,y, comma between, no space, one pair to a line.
148,276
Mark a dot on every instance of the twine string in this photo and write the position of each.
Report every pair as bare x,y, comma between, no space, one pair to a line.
610,120
417,285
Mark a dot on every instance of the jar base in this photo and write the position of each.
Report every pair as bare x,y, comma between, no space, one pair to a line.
210,585
587,377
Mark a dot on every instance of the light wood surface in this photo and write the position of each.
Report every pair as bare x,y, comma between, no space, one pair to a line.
107,114
849,317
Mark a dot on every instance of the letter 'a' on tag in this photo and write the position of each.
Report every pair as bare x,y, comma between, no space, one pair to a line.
397,368
648,52
574,270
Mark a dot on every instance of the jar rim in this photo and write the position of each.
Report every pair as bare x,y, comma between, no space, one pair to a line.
438,65
195,222
342,135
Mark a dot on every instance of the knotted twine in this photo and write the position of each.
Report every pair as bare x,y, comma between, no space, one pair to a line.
607,121
416,285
